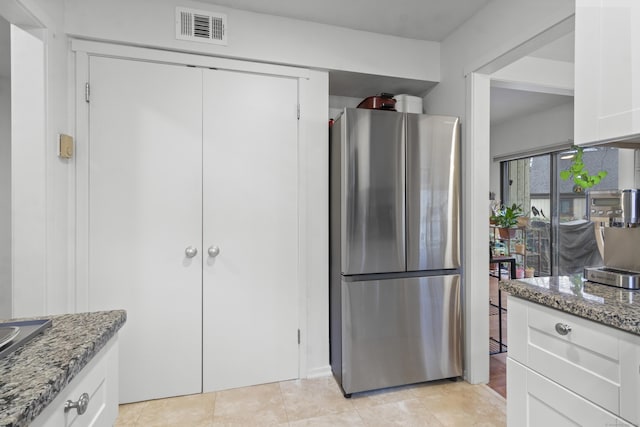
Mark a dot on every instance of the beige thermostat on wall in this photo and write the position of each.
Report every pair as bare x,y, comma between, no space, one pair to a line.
65,147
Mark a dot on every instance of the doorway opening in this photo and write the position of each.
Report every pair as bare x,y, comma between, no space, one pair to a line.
520,105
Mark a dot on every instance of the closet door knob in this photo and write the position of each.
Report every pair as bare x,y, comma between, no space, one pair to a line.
213,251
190,252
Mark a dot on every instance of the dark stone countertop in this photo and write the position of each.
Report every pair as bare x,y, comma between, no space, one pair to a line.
32,376
608,305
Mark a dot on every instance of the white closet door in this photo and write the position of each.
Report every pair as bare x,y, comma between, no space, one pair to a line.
145,206
250,289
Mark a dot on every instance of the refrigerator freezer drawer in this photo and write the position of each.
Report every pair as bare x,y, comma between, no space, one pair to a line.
400,331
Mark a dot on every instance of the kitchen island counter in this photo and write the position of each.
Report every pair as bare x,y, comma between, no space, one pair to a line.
610,306
32,376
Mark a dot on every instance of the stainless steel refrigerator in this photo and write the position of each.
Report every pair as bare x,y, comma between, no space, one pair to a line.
395,309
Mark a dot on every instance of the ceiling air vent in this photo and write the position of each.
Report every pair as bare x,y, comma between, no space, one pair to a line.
201,26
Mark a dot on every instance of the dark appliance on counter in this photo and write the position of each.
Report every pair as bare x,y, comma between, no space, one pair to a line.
395,292
616,217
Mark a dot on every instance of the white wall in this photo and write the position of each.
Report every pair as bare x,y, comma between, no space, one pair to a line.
500,27
338,103
28,169
258,37
538,75
5,171
41,184
545,128
60,172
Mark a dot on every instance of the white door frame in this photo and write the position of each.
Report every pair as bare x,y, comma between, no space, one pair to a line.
83,50
476,172
475,176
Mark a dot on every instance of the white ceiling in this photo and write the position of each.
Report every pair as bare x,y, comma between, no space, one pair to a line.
416,19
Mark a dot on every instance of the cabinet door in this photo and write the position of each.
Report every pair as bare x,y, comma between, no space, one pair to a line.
99,380
145,195
585,360
607,64
250,221
537,401
630,377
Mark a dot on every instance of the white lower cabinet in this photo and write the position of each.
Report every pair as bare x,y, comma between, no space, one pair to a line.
534,400
566,370
99,380
630,362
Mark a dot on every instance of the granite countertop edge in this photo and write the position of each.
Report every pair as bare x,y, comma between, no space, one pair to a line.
609,309
35,374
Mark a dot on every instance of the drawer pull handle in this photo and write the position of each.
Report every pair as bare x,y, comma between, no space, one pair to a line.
80,405
562,329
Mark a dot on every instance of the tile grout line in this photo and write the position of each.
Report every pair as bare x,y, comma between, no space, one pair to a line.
284,405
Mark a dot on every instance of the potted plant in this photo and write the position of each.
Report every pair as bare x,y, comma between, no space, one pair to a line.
506,218
529,272
579,173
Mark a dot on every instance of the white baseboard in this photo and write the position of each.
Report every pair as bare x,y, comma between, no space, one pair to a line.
322,371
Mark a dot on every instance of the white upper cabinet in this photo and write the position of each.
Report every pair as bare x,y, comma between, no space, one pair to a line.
607,71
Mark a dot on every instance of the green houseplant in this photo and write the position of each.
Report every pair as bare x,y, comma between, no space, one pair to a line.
506,218
577,170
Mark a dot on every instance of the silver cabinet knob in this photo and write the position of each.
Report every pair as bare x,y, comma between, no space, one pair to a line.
190,252
213,251
80,405
562,329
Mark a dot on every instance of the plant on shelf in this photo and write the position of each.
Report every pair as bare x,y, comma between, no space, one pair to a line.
578,171
506,218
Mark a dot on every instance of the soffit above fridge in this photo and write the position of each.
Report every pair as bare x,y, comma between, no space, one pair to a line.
360,85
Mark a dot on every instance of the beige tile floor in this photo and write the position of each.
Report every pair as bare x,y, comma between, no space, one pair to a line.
319,402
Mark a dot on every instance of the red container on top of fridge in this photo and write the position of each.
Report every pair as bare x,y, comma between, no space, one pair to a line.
383,101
